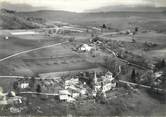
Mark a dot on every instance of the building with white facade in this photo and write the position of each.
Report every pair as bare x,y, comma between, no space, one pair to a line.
86,48
107,83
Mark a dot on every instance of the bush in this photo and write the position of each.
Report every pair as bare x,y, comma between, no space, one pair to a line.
38,89
71,39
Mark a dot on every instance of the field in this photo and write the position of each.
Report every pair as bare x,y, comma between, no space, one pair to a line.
52,59
141,39
33,54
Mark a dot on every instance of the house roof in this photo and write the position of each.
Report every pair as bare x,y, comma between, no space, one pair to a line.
64,92
109,73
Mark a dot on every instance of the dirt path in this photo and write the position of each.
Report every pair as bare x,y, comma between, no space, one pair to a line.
17,77
143,86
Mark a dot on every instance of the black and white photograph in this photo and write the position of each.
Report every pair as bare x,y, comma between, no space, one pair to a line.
83,58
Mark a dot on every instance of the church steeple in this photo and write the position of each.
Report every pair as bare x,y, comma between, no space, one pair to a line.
95,78
95,81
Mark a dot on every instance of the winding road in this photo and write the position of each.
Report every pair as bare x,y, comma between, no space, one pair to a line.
31,50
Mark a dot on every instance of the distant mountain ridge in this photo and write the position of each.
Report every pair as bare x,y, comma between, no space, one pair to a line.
117,8
15,19
20,7
128,9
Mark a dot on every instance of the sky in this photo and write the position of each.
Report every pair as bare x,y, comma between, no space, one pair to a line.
83,5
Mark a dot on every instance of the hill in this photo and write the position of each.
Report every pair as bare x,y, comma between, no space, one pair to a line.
9,20
19,7
51,15
118,20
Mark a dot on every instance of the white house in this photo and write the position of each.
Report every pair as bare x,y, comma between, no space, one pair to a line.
24,85
75,95
66,98
65,95
85,47
108,75
83,91
3,100
106,84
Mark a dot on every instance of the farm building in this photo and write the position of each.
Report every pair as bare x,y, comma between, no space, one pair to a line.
85,47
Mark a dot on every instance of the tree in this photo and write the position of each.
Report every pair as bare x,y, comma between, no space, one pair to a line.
71,39
38,89
104,26
136,29
32,82
90,82
92,35
163,63
160,64
111,64
100,97
50,32
133,76
15,85
150,78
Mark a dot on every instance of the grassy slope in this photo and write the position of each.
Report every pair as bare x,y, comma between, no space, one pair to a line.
119,20
11,21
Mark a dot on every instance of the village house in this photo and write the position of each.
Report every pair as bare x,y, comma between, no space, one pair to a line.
3,100
75,95
107,83
85,48
74,86
83,91
24,85
15,100
10,98
66,95
71,82
158,74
